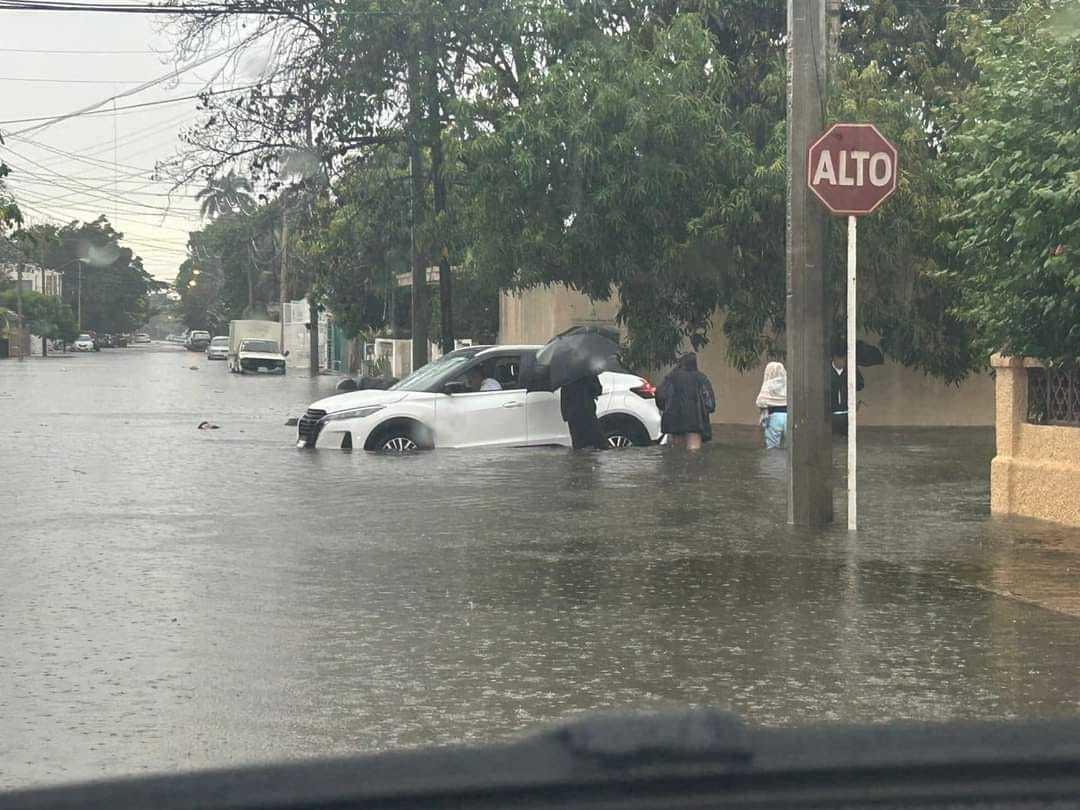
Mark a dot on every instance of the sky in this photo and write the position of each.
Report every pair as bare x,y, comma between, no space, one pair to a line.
53,63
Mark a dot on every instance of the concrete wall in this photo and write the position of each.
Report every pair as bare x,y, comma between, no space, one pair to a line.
1036,472
894,395
534,316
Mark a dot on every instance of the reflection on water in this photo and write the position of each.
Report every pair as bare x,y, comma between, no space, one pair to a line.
177,598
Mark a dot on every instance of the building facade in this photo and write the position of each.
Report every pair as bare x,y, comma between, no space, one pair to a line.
894,395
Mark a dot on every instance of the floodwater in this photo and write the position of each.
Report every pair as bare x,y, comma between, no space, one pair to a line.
174,599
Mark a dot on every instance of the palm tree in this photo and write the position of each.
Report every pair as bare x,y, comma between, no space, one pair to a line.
222,195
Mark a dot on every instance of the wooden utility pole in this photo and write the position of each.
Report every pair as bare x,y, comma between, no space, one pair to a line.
808,312
313,336
284,268
44,291
18,307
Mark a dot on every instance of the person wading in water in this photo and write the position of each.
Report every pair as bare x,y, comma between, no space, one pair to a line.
686,399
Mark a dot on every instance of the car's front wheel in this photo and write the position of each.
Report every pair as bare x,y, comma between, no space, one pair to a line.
398,441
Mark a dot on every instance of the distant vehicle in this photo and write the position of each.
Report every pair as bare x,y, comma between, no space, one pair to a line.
122,340
197,340
104,341
83,343
141,337
218,348
256,354
242,330
432,407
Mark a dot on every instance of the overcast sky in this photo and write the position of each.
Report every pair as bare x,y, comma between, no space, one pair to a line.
101,163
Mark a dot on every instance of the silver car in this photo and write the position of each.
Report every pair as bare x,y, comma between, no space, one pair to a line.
218,349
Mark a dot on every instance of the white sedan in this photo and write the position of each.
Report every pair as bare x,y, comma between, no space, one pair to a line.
435,407
83,343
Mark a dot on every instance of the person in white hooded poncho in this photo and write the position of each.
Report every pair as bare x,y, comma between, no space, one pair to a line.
772,402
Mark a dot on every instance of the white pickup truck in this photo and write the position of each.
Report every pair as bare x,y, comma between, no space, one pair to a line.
254,347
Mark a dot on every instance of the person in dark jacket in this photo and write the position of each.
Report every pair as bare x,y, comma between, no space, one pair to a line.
838,399
577,401
686,399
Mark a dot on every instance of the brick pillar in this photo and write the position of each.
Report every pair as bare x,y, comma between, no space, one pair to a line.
1010,396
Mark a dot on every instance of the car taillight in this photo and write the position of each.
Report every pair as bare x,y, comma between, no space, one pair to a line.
646,390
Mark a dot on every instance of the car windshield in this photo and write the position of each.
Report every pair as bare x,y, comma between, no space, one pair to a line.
266,346
84,337
435,373
219,341
194,335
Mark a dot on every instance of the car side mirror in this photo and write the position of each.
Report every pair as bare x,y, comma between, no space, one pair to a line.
455,387
286,353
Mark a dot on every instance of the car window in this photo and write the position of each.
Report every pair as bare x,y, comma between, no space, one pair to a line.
435,373
259,346
505,369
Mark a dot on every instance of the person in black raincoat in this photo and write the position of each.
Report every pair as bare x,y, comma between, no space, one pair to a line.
577,401
686,399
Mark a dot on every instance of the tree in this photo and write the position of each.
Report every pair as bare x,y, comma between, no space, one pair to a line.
1014,162
10,216
114,285
45,315
226,194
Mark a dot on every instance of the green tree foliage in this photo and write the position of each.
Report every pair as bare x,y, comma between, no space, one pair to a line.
233,268
225,194
1015,162
115,285
10,216
604,175
45,315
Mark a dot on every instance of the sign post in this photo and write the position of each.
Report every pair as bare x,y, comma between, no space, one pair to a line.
852,169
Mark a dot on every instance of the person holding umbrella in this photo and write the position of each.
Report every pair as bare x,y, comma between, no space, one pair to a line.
686,399
577,402
570,363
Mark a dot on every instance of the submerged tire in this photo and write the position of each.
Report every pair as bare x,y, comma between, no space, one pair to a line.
623,432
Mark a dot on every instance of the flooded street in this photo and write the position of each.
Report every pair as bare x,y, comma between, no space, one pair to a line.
175,598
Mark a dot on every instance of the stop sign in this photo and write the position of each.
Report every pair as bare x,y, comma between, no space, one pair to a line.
852,168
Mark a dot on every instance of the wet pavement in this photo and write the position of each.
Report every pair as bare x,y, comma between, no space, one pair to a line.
174,598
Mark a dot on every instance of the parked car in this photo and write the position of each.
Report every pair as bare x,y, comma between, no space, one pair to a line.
197,340
141,337
83,343
218,348
430,408
257,355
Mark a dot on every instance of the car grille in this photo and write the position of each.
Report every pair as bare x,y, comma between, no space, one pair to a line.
309,425
255,365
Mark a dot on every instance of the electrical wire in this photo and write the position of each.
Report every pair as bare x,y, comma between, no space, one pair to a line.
140,106
145,85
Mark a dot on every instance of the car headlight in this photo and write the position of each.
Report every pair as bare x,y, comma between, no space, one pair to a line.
354,413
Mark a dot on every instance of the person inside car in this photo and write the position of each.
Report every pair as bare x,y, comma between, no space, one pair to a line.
477,380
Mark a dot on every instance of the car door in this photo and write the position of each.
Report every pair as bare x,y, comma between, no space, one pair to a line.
483,418
543,419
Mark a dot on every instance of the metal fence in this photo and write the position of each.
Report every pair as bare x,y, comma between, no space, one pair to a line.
1054,396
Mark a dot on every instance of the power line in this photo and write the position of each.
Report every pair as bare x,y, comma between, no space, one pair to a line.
53,52
42,80
143,105
145,85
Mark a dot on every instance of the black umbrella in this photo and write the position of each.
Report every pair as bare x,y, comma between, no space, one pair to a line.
577,353
867,355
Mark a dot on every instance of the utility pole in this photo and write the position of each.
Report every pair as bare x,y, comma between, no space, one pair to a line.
41,258
18,307
808,312
284,267
313,336
80,295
